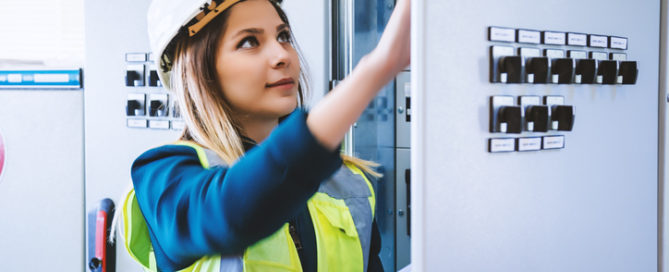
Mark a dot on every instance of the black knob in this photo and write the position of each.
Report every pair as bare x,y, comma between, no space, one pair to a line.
95,264
537,116
157,108
629,71
564,115
538,67
176,112
564,68
153,78
608,69
510,117
134,108
130,77
511,66
586,69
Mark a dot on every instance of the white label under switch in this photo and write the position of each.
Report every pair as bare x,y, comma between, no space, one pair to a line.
135,57
501,34
618,43
599,55
178,125
528,36
575,54
502,145
137,123
529,144
159,124
553,142
554,54
577,39
598,41
618,56
556,38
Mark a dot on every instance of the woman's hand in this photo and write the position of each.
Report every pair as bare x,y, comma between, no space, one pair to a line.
393,51
330,119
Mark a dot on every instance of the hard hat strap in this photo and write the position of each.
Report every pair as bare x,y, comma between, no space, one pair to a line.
209,13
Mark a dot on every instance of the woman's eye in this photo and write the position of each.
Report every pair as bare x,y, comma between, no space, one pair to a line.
248,42
284,37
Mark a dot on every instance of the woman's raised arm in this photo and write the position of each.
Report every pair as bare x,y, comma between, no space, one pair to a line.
330,119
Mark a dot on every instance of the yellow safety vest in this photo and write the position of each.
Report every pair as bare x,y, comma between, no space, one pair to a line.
341,211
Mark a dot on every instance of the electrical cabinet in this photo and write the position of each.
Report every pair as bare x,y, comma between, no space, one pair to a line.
535,135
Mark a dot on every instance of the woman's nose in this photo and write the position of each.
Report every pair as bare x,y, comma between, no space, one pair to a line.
280,54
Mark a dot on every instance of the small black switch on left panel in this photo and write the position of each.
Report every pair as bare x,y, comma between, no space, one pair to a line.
564,115
135,105
537,70
608,69
131,78
134,76
510,67
564,69
158,105
153,78
585,71
536,118
629,72
509,117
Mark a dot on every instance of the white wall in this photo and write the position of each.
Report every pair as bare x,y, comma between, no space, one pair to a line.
47,31
309,20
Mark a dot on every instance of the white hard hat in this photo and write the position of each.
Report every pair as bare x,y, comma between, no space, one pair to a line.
167,18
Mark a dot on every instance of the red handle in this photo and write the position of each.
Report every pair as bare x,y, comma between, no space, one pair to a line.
101,238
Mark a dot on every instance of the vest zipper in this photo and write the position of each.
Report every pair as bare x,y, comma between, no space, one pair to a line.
293,234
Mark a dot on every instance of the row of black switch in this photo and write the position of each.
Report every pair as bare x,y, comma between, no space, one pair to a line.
567,70
537,119
135,78
157,108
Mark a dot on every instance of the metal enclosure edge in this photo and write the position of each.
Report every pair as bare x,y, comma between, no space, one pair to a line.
418,105
663,99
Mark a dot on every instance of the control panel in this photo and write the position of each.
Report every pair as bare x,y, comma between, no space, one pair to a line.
534,117
524,56
148,105
552,57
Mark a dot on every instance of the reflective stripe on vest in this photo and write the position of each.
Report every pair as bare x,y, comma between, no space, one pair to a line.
341,211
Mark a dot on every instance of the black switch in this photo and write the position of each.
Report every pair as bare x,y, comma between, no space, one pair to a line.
408,107
629,71
510,115
153,78
175,111
538,115
157,108
134,108
586,69
130,77
538,67
511,65
564,115
564,68
608,69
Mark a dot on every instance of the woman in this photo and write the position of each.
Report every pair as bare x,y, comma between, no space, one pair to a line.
255,184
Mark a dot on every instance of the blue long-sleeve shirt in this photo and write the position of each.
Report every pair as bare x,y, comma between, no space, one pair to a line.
192,212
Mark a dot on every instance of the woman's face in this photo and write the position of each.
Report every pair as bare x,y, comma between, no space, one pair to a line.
257,66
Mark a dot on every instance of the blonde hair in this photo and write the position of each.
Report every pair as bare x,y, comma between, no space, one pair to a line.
206,112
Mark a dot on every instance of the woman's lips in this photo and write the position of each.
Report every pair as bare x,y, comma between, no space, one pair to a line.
285,83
